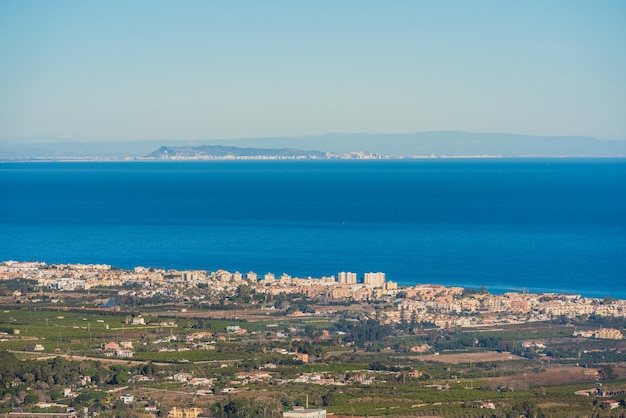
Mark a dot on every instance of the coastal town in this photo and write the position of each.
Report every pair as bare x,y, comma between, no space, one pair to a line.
443,307
151,342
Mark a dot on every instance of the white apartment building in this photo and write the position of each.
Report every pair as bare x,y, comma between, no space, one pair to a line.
374,279
346,277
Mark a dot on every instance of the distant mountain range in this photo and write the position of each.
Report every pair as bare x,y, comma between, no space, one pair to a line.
421,144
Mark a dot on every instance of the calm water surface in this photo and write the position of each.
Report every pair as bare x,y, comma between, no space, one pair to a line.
543,225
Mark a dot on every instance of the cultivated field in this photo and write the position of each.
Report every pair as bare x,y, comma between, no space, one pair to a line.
460,358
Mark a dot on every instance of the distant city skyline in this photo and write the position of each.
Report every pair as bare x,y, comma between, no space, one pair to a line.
156,70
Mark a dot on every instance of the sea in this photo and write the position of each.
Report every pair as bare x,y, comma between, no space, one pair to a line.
536,225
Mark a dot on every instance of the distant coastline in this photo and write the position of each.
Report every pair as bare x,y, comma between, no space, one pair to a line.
79,274
437,144
75,274
279,158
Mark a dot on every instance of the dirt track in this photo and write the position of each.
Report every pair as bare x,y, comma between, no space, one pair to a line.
105,360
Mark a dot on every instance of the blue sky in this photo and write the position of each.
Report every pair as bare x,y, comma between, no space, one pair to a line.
122,70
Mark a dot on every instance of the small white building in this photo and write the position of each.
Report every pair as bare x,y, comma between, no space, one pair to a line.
201,381
127,398
139,321
182,377
126,344
125,353
301,412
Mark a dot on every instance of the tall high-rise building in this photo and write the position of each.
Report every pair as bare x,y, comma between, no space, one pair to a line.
374,279
346,277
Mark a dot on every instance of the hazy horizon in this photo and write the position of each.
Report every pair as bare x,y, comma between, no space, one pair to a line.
449,143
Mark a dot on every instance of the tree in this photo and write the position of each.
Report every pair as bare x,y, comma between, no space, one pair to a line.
31,398
413,323
56,394
608,373
148,369
120,378
310,331
403,323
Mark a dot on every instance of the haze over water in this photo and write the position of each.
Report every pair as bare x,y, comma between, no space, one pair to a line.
540,225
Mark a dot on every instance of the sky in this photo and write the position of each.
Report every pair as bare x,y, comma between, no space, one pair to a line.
190,70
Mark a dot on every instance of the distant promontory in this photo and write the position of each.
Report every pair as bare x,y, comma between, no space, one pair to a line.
221,152
438,144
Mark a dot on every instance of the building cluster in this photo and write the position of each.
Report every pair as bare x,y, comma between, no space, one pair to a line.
454,307
147,282
433,304
602,334
122,349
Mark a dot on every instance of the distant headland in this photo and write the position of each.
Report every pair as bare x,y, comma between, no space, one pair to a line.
220,152
438,144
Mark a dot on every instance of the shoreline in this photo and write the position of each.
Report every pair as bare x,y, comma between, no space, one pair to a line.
402,285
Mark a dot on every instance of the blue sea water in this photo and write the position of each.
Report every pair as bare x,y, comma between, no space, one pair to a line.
540,225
